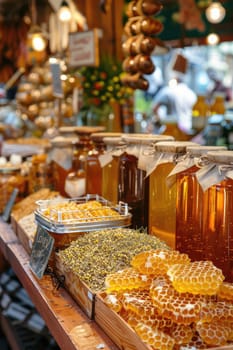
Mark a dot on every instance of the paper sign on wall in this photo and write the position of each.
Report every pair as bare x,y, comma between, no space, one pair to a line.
84,48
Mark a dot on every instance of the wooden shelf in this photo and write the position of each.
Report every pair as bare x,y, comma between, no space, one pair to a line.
70,327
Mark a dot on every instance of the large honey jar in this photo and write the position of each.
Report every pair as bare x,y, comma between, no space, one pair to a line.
189,201
11,178
61,159
133,183
162,191
93,165
40,173
110,167
216,180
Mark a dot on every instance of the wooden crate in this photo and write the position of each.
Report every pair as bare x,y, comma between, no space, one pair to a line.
22,233
79,291
119,330
115,327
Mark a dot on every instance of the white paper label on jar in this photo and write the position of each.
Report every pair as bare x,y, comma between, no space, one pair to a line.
62,157
105,159
133,150
144,158
160,158
183,165
118,152
209,175
75,187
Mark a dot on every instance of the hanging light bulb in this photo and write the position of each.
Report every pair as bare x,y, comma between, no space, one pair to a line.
38,39
215,13
64,12
212,39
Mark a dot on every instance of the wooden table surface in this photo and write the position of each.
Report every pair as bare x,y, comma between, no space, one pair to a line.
70,327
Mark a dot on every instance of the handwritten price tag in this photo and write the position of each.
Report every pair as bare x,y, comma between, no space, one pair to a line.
41,251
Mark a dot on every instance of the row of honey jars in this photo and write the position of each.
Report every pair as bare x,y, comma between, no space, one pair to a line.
204,208
162,190
124,172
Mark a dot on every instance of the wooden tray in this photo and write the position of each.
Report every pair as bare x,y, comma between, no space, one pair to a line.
119,330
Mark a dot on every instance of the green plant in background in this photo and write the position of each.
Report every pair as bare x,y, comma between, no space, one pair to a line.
102,87
102,84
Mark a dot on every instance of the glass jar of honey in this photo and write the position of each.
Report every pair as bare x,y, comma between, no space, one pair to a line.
216,180
11,178
110,167
133,183
60,158
189,201
162,190
39,173
93,166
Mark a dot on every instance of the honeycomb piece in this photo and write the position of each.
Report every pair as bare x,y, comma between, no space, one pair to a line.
182,334
182,308
155,321
126,279
217,311
139,306
213,333
158,261
154,337
198,277
83,212
113,302
225,291
139,302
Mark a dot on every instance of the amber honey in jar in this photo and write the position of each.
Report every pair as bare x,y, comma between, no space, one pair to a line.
133,183
189,201
162,193
216,179
39,173
109,161
11,178
93,166
60,158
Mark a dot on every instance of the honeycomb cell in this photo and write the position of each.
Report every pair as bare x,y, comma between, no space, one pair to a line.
182,308
198,277
154,337
127,279
195,343
213,333
181,333
158,261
